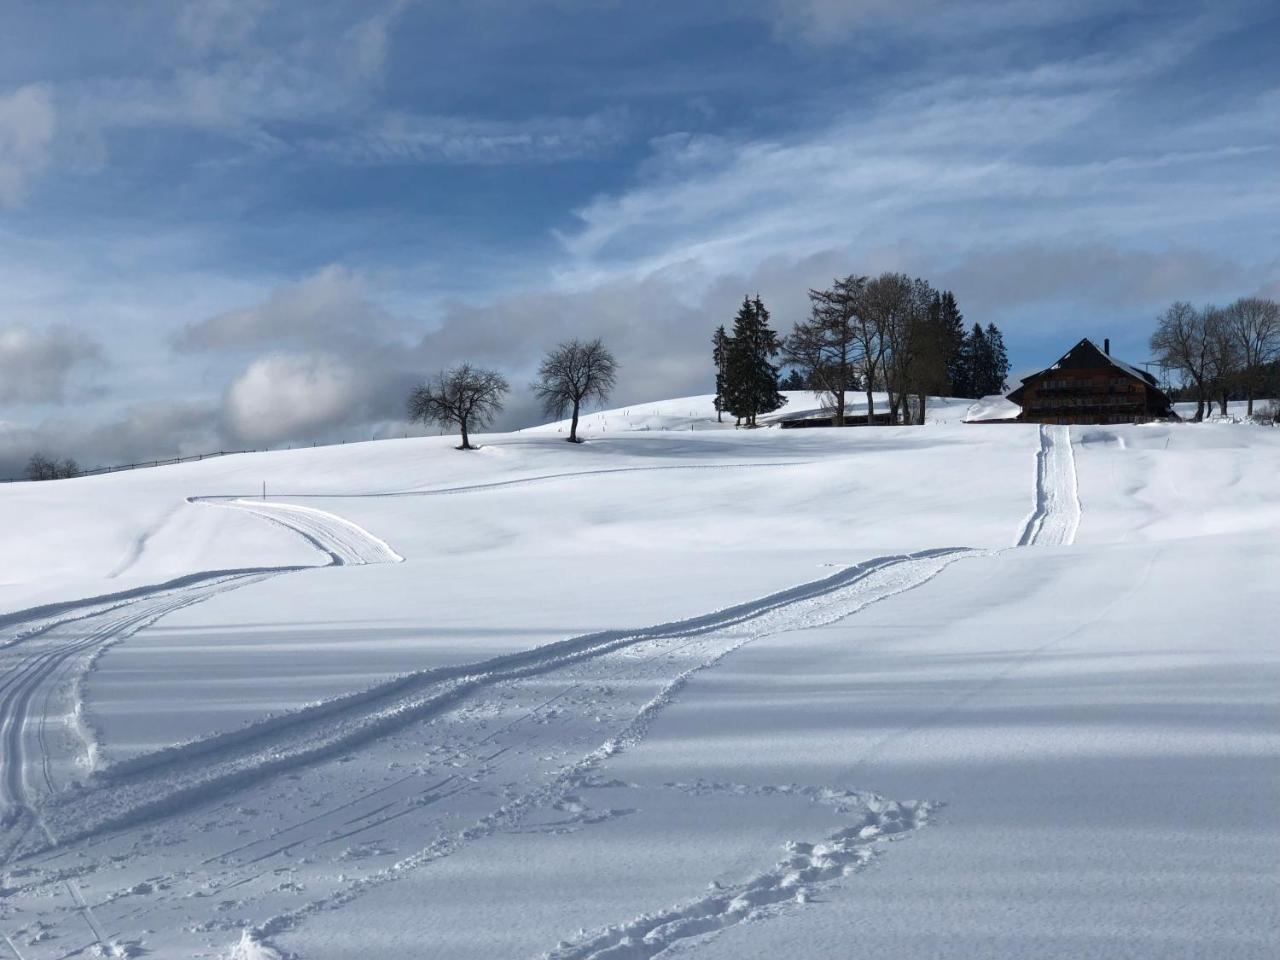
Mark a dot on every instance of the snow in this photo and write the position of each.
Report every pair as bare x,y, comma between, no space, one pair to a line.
993,407
680,690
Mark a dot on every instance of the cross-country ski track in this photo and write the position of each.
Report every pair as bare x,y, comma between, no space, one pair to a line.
523,731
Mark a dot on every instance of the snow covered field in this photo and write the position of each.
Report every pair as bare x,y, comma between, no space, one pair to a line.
943,691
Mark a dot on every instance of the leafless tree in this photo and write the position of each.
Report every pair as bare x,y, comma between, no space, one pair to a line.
40,467
828,348
466,395
1182,342
930,349
1254,324
573,373
897,307
1225,365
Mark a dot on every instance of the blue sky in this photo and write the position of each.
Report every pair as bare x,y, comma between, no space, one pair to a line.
242,222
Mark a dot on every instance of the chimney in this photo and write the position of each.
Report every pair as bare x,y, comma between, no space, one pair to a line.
1106,346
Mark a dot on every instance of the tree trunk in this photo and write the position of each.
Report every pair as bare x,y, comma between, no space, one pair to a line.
871,403
920,418
573,427
466,444
838,419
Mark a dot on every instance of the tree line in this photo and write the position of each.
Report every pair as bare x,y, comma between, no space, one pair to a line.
893,334
1221,353
40,467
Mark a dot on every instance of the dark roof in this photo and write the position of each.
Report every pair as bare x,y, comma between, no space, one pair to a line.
1093,352
1091,347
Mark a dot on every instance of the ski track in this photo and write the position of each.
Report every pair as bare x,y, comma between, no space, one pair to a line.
1056,514
44,739
452,708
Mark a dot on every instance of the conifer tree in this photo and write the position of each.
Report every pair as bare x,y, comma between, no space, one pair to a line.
951,324
973,359
997,360
751,381
720,357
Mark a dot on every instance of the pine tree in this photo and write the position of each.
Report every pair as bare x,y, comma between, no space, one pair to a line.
720,357
751,382
976,356
794,381
997,360
951,324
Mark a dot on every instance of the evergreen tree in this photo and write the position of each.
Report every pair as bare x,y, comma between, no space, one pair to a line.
997,360
720,357
974,358
951,329
794,381
751,381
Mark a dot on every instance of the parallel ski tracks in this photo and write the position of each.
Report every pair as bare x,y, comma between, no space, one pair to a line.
1056,513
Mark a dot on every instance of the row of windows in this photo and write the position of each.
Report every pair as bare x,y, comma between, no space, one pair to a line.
1096,400
1086,418
1086,383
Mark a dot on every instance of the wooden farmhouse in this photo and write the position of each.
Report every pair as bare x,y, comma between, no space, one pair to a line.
1089,385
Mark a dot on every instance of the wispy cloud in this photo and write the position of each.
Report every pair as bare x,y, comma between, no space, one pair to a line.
27,122
990,158
400,138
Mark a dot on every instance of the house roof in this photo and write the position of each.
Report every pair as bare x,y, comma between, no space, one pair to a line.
1120,365
1087,344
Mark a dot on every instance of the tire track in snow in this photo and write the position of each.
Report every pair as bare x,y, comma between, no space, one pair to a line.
169,780
1056,515
55,644
343,542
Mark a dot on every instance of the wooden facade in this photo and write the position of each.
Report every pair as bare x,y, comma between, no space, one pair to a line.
1088,385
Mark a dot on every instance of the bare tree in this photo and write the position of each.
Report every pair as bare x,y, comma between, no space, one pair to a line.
1254,324
1183,342
891,310
827,347
572,374
1224,367
40,467
466,395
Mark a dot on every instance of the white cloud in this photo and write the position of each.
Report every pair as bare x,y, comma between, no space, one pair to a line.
27,123
286,395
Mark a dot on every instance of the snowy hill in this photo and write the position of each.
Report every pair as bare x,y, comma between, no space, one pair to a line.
699,413
606,700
